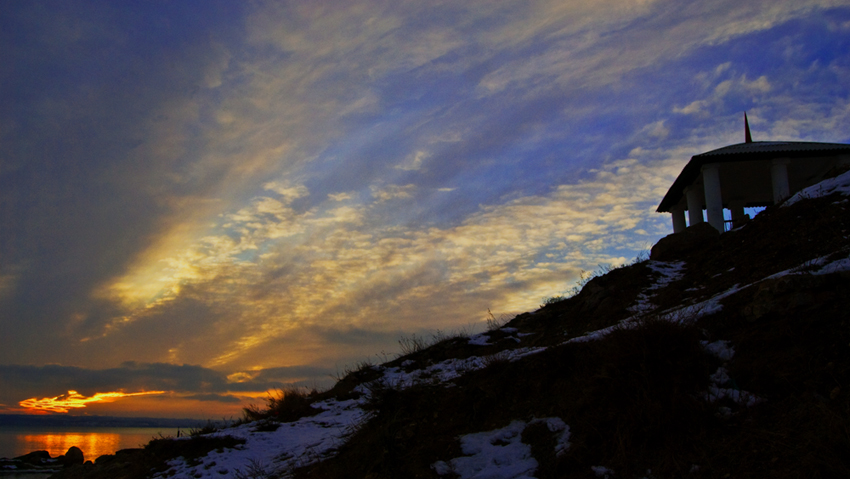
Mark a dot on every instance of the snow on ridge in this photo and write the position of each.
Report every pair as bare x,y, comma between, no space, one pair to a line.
839,184
293,444
445,371
836,266
683,315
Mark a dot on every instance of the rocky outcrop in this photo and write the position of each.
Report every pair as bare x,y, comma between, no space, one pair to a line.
34,458
674,246
34,462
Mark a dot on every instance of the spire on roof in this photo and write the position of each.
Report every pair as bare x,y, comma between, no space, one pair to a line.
747,137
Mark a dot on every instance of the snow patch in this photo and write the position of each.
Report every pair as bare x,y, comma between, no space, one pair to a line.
837,266
669,272
497,454
742,398
481,339
501,453
719,349
556,424
720,377
447,370
839,184
602,471
685,315
293,444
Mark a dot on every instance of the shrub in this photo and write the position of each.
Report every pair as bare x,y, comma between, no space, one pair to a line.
286,405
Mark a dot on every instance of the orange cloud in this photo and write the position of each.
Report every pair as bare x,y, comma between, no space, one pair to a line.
73,400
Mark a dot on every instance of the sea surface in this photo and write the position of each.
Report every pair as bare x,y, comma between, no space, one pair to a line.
93,441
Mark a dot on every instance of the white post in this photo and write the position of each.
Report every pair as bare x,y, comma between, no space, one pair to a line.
678,214
779,174
694,197
738,216
713,200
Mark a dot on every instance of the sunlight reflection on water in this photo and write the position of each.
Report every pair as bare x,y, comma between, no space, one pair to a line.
93,442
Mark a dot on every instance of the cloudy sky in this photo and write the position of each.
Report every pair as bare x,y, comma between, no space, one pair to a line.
204,200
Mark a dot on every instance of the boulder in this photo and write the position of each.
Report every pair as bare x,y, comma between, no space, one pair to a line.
674,246
73,456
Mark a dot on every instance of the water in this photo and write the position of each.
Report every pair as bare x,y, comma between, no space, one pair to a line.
93,441
27,475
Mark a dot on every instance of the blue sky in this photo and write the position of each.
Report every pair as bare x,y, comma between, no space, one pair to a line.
268,191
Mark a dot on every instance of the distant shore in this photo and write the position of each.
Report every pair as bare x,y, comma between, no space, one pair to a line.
56,420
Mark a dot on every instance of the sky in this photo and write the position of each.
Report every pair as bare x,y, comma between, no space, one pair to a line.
201,202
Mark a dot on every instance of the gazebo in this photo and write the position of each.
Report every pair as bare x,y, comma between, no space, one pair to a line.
749,174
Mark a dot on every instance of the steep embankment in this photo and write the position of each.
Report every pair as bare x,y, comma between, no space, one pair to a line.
722,356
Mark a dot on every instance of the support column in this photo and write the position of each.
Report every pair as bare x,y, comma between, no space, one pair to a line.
694,197
678,214
738,216
779,174
713,200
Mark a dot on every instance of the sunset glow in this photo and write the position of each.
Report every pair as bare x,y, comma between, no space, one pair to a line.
218,199
74,400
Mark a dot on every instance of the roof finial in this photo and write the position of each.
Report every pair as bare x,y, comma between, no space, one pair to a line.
747,137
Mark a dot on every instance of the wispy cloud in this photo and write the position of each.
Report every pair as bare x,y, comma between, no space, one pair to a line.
273,185
360,270
74,400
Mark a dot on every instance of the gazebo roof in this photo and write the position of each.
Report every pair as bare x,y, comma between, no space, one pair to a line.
757,150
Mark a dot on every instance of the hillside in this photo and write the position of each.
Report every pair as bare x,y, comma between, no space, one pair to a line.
721,356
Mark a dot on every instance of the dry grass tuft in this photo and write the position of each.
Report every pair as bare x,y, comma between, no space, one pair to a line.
285,405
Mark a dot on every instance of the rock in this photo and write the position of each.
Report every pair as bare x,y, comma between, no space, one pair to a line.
35,457
35,462
73,456
673,246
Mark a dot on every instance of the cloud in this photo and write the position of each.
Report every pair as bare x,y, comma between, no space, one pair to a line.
274,186
74,400
340,196
393,192
413,162
289,193
361,270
